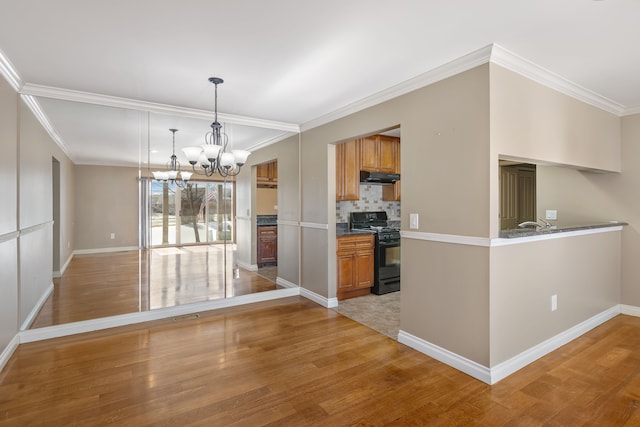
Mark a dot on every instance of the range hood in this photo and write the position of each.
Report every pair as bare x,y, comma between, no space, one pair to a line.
379,177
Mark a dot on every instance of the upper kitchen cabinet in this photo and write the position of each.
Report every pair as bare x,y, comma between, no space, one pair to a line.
378,153
267,174
348,171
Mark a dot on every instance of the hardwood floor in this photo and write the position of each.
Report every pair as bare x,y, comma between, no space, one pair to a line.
102,285
291,362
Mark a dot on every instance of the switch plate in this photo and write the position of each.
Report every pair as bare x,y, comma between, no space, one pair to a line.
554,302
551,214
413,221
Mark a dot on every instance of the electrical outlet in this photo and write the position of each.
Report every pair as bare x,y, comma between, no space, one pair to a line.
113,236
554,302
551,214
413,221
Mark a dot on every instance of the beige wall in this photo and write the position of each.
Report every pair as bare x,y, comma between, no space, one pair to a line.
8,214
107,202
286,152
35,199
533,122
584,196
445,296
583,271
445,170
266,201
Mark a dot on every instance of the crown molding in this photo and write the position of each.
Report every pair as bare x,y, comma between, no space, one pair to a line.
152,107
9,72
35,108
457,66
268,141
631,110
517,64
492,53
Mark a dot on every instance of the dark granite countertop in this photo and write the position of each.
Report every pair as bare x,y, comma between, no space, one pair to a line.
560,228
266,220
347,232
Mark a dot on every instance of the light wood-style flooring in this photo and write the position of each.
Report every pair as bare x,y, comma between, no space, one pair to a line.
291,362
108,284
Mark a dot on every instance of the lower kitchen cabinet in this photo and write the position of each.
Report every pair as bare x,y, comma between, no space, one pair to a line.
267,245
355,264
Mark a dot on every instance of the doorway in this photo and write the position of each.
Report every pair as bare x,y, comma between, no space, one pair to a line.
55,214
267,219
517,194
200,213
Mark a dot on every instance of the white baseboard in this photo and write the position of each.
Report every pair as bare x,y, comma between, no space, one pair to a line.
447,357
630,310
319,299
8,351
105,250
248,267
36,309
508,367
49,332
285,283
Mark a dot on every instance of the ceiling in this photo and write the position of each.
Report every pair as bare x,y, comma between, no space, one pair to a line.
113,76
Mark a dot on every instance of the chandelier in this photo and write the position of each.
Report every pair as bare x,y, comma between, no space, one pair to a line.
173,168
212,156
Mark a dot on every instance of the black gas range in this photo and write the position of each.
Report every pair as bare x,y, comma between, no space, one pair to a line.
386,251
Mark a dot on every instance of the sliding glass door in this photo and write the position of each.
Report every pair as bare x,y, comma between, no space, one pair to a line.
203,212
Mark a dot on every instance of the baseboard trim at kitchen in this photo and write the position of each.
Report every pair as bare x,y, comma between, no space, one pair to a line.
105,250
8,351
447,357
285,283
319,299
31,335
248,267
630,310
58,274
36,309
508,367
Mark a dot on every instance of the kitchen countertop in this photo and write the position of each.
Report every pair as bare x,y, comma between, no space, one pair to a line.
347,232
263,220
560,228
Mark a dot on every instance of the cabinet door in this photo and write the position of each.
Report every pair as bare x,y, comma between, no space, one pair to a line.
369,153
364,269
508,197
391,193
340,172
387,149
345,271
267,244
351,179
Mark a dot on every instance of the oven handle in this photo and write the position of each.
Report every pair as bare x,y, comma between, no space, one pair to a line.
390,244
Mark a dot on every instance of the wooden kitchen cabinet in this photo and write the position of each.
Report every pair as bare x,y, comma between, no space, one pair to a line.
267,174
354,267
378,153
391,193
348,171
267,245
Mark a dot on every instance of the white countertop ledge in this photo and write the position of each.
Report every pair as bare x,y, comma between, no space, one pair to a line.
504,241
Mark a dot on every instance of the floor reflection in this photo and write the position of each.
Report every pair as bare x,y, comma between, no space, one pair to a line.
103,285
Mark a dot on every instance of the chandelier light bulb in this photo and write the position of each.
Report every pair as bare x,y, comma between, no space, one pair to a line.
213,156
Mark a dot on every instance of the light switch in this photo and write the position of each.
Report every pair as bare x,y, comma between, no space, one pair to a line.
413,221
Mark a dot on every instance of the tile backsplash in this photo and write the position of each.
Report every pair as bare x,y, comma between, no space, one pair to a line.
370,200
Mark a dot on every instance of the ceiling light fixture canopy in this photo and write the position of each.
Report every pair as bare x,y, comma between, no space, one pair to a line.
213,156
173,168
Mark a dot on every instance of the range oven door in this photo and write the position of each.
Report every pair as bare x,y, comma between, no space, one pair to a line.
387,274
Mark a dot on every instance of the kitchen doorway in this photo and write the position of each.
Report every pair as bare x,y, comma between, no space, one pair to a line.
267,219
